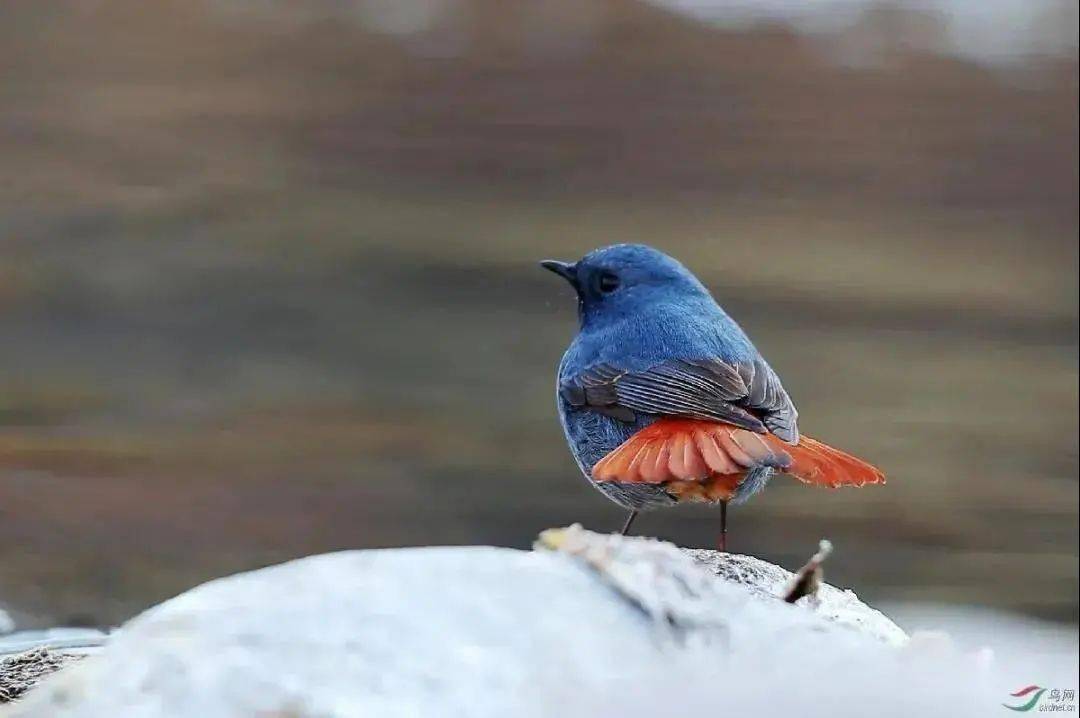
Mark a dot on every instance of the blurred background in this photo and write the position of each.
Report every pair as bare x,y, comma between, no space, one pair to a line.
268,279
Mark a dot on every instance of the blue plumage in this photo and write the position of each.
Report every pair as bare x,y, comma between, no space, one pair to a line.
642,311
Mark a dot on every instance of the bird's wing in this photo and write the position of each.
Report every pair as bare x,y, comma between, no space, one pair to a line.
746,394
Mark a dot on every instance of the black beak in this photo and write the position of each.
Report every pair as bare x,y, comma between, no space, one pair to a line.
566,270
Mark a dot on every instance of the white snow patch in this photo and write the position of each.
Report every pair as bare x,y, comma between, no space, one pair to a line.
589,625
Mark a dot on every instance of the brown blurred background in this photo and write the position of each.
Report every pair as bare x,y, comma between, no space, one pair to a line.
268,281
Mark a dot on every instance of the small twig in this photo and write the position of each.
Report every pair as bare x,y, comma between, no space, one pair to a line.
808,578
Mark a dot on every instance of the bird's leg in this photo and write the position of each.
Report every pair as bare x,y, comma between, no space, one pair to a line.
723,526
629,522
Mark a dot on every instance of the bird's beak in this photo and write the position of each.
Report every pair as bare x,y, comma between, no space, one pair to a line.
566,270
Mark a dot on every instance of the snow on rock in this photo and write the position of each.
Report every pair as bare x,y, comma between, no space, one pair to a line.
765,579
586,625
667,582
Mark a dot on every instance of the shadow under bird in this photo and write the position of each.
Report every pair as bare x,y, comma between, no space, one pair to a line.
664,399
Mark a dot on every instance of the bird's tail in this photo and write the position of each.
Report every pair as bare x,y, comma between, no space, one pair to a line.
820,464
709,461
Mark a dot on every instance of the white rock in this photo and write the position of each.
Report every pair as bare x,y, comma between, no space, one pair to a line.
592,625
841,606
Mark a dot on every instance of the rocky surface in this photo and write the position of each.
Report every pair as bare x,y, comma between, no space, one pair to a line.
765,579
585,625
26,657
20,672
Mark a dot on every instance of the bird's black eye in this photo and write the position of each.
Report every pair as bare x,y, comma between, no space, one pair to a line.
607,282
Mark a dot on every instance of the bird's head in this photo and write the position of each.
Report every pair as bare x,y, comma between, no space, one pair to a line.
624,279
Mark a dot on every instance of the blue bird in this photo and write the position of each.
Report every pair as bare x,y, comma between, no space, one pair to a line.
664,399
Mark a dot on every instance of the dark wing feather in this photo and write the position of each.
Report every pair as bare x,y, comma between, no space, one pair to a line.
767,397
746,394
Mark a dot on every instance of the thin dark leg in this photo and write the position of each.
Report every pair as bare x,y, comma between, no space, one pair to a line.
723,526
629,522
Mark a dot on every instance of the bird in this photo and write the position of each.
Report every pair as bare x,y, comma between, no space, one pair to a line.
664,399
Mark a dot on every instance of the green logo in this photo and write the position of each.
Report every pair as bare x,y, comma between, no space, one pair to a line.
1035,692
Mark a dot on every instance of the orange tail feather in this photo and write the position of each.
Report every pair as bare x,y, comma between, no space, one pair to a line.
706,460
822,465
